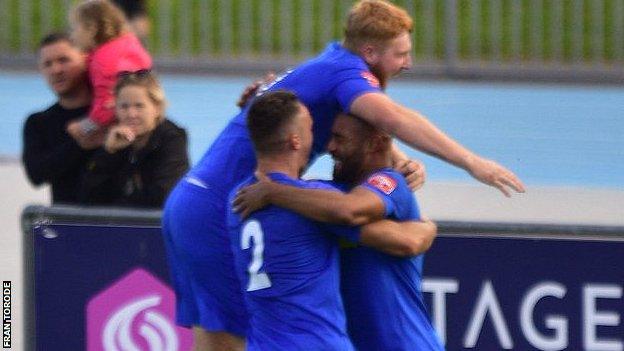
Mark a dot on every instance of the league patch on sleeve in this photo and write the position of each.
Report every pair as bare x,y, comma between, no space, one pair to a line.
370,78
382,182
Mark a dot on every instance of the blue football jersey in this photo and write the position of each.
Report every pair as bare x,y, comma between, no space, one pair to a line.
382,293
326,84
289,274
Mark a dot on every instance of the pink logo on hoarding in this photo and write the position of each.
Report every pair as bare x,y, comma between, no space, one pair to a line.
135,313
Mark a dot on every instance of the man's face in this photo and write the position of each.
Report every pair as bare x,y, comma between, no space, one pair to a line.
63,66
390,60
347,149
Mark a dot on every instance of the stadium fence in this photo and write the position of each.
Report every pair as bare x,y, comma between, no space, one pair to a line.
518,39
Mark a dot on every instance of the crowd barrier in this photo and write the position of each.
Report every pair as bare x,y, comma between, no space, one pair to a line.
97,279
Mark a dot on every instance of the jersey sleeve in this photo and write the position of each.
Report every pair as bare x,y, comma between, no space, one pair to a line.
351,83
392,189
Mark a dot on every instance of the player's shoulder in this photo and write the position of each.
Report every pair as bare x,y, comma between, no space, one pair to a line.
337,58
347,66
387,181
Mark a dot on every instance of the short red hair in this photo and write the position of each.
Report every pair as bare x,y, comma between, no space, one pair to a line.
375,21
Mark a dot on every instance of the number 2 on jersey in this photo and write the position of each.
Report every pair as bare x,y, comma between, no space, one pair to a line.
257,280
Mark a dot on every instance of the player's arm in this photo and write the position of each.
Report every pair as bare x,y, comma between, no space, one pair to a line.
414,129
403,239
358,207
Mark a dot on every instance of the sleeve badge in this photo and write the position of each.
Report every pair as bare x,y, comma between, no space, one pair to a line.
371,79
383,182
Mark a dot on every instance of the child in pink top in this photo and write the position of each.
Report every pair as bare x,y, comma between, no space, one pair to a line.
100,28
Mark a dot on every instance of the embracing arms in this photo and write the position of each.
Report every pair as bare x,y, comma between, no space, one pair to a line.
358,207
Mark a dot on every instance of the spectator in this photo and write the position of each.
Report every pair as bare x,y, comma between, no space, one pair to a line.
50,155
143,156
100,28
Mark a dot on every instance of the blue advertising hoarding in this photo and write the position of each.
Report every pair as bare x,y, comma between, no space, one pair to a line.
105,286
489,293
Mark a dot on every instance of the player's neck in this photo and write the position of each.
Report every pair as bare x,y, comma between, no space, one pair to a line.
284,165
376,162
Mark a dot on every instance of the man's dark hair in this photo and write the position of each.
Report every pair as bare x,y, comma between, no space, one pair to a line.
268,118
53,38
365,127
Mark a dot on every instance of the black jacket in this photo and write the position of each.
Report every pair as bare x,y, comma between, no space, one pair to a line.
50,155
140,178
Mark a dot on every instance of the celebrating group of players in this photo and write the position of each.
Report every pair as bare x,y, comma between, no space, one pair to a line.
254,250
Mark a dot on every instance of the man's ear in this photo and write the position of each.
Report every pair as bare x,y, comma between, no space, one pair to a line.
369,53
294,141
378,142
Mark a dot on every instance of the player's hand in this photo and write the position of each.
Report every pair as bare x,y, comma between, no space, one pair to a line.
413,171
252,88
253,197
118,137
491,173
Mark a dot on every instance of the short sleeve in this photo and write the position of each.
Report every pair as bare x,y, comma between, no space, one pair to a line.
389,188
351,83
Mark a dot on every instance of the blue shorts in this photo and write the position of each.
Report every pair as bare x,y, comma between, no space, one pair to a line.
208,293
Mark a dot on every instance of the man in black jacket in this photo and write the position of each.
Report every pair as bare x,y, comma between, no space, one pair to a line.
50,155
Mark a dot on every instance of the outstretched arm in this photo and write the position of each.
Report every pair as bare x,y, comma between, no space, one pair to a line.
415,130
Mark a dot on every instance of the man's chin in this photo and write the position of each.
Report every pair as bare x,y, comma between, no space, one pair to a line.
336,171
60,88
